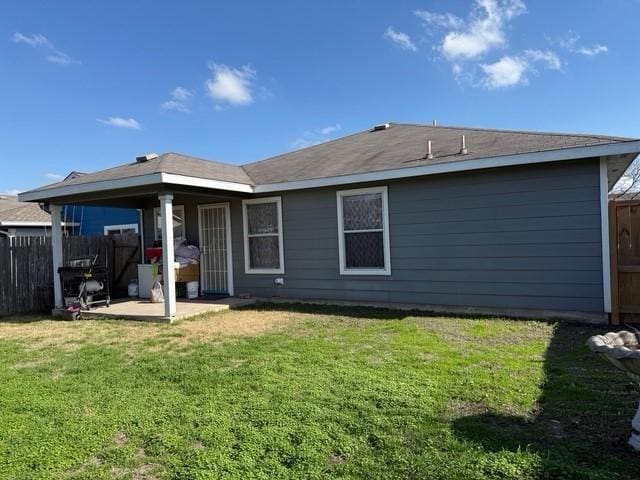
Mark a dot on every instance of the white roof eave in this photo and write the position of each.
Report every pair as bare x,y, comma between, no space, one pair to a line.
573,153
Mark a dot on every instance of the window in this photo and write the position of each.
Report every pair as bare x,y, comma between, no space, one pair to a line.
263,252
363,229
178,222
121,229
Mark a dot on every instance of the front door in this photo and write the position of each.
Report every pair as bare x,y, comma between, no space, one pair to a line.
215,249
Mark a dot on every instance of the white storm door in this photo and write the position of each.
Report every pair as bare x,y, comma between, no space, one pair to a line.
215,249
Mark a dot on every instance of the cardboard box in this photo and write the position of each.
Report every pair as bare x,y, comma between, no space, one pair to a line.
190,273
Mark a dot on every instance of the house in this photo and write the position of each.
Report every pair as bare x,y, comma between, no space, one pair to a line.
400,213
21,219
89,220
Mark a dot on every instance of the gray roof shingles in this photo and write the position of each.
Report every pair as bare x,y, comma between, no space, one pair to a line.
405,145
172,163
13,211
399,146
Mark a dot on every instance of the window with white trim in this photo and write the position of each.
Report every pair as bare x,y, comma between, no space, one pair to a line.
178,222
263,251
121,229
363,229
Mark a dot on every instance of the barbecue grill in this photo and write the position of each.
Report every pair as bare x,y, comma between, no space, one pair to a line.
87,281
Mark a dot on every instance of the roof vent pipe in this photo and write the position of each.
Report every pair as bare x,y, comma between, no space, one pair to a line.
429,155
435,123
146,158
380,126
463,146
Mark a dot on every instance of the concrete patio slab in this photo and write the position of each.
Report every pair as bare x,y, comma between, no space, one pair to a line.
138,309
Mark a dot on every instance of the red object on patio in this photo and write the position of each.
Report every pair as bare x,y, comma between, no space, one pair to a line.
153,252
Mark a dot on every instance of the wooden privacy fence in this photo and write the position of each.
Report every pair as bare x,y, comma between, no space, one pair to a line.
26,267
624,239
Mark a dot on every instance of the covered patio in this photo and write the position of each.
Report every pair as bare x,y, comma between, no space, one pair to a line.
171,203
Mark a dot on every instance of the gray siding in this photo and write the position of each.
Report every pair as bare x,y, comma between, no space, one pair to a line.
522,237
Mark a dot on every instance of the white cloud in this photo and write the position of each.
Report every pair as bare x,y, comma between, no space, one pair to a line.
570,42
174,105
549,58
592,51
330,129
39,41
400,39
512,70
483,32
54,176
179,100
231,85
444,20
315,137
506,72
12,192
120,122
476,45
61,58
35,40
181,93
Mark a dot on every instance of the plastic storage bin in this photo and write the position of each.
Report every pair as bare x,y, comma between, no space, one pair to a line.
193,290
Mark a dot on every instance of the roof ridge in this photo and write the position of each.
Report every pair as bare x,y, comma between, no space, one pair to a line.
526,132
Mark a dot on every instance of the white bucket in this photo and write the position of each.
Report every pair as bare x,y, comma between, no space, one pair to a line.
193,290
132,288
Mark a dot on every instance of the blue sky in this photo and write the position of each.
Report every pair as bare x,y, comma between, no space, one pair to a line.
88,85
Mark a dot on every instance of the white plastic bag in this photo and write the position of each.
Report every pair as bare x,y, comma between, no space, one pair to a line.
156,293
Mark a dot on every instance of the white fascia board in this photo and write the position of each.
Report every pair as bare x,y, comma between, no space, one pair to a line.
90,187
618,148
206,183
129,182
9,223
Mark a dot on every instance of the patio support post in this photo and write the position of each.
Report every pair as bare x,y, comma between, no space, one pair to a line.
56,252
168,272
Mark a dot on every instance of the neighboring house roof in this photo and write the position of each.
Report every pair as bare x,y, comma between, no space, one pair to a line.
395,152
15,213
73,175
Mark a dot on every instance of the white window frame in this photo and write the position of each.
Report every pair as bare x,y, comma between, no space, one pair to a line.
386,270
126,226
245,222
156,214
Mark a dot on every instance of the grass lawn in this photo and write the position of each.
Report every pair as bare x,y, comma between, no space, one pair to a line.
310,392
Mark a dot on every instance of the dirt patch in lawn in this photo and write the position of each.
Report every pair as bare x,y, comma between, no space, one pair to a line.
236,323
70,336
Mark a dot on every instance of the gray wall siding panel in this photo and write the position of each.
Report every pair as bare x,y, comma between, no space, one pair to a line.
522,237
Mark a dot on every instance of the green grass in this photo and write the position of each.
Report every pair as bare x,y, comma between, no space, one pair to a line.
310,392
